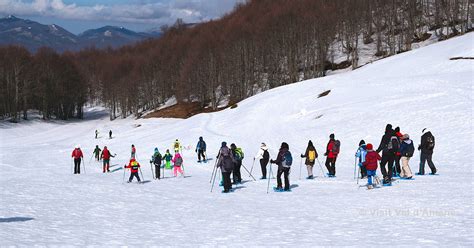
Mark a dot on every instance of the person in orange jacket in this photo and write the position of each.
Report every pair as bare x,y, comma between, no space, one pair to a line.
134,166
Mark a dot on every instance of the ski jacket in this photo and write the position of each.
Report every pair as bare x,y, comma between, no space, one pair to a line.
167,157
177,160
201,145
306,155
156,158
424,146
77,153
361,153
225,159
134,150
280,157
106,154
329,147
261,154
386,139
97,151
404,147
371,160
133,165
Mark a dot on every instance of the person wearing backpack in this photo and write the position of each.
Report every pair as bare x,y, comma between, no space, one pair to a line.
406,151
389,147
97,152
178,162
426,147
332,150
77,155
201,149
238,157
156,160
177,146
225,161
263,156
398,156
311,155
370,163
360,155
134,167
284,161
105,156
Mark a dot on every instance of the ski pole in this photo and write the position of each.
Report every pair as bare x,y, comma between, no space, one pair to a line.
143,178
301,165
358,170
270,176
72,165
151,167
214,180
321,167
213,171
251,168
83,165
123,178
355,168
91,158
249,173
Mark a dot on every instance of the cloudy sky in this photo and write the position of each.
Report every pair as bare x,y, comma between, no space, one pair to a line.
139,15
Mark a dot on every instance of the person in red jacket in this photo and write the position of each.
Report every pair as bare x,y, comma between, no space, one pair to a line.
134,166
105,156
77,155
371,164
331,155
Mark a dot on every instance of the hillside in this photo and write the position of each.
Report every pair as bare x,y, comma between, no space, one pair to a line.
42,203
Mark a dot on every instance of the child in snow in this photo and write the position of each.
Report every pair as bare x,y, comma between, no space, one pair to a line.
167,158
156,160
133,152
177,146
360,155
406,150
178,162
97,152
311,155
134,167
371,164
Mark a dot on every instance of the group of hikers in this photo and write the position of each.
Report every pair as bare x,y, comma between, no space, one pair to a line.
396,149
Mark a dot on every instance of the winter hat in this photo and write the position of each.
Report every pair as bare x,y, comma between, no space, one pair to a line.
362,142
388,127
405,136
310,143
156,149
133,145
263,146
105,147
397,129
224,143
285,145
200,138
331,136
370,147
232,146
425,130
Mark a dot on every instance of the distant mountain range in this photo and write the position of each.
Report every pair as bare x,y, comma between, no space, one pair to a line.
33,35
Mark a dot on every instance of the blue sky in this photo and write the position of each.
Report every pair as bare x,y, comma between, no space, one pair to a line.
139,15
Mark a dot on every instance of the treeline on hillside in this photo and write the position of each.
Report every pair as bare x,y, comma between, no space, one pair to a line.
262,44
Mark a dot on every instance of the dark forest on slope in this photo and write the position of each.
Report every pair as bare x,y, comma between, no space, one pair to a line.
258,46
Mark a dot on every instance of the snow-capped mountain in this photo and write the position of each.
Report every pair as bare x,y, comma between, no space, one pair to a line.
33,35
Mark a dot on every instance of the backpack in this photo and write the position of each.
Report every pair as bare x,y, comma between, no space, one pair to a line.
239,154
410,150
430,143
178,161
311,155
393,145
336,147
266,155
225,151
157,158
176,145
287,159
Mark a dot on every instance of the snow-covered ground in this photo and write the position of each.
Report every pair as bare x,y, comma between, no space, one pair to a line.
42,203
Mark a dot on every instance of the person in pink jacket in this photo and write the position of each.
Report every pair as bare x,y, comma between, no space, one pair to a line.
178,163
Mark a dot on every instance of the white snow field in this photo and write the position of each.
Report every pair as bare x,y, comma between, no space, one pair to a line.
43,203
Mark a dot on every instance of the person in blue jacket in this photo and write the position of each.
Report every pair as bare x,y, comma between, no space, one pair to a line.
360,154
201,149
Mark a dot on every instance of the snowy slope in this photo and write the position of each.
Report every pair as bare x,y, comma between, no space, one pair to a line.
413,90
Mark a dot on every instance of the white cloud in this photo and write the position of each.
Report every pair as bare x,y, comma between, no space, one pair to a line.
149,12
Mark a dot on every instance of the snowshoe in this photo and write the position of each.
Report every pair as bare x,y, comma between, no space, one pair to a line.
420,174
277,189
310,177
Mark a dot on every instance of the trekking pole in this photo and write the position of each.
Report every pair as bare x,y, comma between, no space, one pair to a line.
151,167
143,178
91,158
123,178
358,170
355,165
214,179
251,168
270,176
249,173
72,166
83,165
321,167
163,169
301,165
213,171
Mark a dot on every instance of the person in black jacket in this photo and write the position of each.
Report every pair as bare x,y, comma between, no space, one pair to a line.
426,147
388,146
282,167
